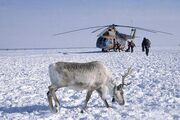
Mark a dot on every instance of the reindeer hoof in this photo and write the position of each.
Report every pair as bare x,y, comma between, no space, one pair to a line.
82,111
55,110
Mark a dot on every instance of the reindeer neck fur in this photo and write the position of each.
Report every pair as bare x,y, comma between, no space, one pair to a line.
111,86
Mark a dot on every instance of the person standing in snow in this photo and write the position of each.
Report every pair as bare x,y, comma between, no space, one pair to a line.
146,44
131,46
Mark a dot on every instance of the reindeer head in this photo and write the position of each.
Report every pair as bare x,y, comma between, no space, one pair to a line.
118,93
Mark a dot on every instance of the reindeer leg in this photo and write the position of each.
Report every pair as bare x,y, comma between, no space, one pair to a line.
57,105
88,96
49,96
102,97
52,90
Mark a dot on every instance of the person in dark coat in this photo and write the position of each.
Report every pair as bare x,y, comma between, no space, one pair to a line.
131,46
146,44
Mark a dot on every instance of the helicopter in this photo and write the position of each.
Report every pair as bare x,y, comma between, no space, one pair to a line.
111,39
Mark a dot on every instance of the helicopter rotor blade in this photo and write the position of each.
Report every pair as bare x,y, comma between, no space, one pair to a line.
78,30
162,32
98,29
144,29
101,27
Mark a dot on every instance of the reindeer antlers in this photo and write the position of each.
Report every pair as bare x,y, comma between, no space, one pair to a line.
130,70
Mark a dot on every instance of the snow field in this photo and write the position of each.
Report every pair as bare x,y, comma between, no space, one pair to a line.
153,94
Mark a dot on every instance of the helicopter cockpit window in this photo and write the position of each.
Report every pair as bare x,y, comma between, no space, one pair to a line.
110,41
100,40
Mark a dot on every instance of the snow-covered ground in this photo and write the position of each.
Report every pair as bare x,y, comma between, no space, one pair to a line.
153,94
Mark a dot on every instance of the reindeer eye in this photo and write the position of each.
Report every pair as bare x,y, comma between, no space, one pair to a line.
118,88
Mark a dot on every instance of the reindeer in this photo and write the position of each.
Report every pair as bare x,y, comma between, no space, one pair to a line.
91,76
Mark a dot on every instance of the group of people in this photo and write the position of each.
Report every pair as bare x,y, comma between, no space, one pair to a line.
146,44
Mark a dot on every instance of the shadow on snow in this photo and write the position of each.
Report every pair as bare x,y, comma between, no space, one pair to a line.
40,108
66,53
28,109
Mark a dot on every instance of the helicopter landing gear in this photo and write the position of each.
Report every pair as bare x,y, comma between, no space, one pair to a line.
104,50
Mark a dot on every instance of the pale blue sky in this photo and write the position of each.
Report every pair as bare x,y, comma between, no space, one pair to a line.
32,23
